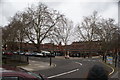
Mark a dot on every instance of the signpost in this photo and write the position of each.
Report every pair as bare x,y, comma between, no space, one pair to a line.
109,60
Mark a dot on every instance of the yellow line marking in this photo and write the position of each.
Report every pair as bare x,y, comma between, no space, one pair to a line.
111,68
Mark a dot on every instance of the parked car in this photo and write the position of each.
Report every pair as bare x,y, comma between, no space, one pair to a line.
48,54
45,53
38,54
52,55
58,54
8,53
16,53
67,57
3,52
22,53
19,74
75,55
28,54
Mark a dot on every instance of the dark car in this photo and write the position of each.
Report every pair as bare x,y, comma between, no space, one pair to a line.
48,54
52,55
13,73
75,55
57,54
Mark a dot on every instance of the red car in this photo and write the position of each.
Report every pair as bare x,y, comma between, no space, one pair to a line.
18,74
8,53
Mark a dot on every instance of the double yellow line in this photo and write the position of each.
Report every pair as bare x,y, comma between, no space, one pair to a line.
113,70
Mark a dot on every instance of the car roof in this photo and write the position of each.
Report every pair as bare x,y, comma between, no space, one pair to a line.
46,51
16,73
7,73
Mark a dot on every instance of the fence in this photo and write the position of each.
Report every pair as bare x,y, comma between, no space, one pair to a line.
18,58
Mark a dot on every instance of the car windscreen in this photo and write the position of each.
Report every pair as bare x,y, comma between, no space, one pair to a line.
36,75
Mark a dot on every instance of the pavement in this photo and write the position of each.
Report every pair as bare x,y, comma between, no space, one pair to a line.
37,65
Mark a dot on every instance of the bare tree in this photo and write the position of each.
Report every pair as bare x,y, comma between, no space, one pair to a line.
39,22
14,32
9,36
86,31
106,31
62,33
20,28
94,28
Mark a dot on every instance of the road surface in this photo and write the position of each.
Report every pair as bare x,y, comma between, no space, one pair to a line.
70,68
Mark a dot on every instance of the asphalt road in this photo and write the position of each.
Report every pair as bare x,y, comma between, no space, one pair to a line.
70,68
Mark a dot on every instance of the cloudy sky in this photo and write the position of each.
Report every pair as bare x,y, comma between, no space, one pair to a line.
72,9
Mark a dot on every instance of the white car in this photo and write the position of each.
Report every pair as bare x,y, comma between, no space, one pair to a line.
39,54
28,53
67,57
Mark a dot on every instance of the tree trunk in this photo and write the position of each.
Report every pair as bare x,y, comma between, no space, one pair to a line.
38,48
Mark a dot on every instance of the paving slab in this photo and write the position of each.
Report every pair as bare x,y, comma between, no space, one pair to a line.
37,65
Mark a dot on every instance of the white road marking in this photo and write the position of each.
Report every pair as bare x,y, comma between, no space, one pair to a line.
79,63
64,73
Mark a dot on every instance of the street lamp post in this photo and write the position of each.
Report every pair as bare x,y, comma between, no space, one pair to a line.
51,53
116,56
50,59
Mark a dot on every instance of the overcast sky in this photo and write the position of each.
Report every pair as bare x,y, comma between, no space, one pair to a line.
72,9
